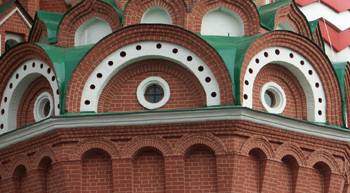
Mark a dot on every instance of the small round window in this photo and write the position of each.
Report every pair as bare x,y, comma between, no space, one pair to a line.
273,98
153,92
43,106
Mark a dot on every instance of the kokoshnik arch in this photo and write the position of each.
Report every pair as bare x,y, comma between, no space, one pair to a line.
136,96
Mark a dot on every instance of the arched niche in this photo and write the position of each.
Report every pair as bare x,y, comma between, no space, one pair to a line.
156,15
91,32
222,22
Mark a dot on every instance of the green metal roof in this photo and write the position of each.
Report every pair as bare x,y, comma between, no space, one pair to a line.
339,69
65,60
268,12
51,21
232,51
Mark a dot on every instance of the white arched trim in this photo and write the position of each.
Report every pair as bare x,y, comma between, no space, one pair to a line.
300,68
222,22
17,85
156,15
129,54
91,32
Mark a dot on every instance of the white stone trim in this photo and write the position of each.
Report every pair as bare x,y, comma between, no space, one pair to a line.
141,89
17,85
281,99
308,81
147,50
38,106
102,122
13,12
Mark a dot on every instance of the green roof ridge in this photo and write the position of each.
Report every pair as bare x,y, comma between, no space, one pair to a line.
65,60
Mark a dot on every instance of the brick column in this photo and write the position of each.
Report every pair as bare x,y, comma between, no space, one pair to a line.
174,174
225,173
72,176
36,181
8,185
269,177
239,175
302,182
122,172
336,183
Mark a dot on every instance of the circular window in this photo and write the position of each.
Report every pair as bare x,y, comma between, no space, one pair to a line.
43,106
153,92
273,98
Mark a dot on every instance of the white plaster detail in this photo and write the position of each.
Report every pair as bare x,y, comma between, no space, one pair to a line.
141,89
156,15
279,98
148,50
318,10
17,85
91,32
12,13
306,75
222,22
41,101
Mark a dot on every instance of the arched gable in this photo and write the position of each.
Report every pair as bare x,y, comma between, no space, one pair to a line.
149,33
81,13
135,10
19,67
320,69
246,10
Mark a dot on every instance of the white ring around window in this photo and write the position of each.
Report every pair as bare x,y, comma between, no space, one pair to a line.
41,101
279,98
141,89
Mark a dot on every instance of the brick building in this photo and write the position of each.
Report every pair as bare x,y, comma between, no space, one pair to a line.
174,96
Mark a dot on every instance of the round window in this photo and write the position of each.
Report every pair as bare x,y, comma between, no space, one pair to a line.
43,106
273,98
153,92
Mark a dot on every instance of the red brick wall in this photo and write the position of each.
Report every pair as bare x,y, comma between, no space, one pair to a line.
15,24
185,90
178,157
97,172
148,172
200,170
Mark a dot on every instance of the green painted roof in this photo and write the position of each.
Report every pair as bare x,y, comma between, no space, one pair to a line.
65,60
339,69
268,12
51,21
6,6
232,51
115,7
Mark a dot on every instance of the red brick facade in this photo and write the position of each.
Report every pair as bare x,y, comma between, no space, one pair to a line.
186,145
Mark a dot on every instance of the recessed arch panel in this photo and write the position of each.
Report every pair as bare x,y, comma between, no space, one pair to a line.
91,31
302,70
222,22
